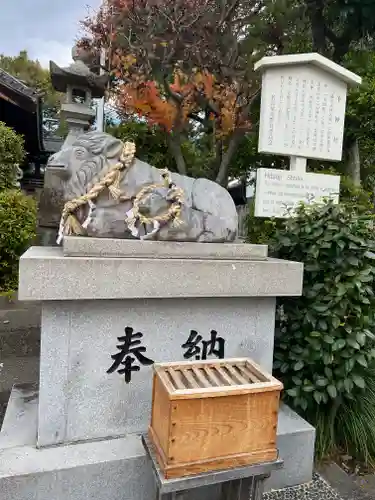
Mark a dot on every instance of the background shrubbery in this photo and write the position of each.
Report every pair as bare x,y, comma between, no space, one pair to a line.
17,211
12,152
17,230
324,346
325,339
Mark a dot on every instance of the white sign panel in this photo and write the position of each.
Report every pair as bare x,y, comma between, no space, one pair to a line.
278,192
302,112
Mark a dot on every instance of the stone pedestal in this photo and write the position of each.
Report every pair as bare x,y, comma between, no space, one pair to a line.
95,396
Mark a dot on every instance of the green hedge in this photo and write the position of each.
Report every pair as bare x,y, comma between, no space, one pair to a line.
260,230
325,346
12,152
18,216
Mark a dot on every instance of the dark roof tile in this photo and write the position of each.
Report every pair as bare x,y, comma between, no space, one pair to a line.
17,86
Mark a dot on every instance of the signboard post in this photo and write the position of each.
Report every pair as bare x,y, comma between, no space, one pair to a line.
302,116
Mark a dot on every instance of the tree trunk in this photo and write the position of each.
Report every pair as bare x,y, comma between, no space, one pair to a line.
315,13
175,148
340,50
353,166
222,175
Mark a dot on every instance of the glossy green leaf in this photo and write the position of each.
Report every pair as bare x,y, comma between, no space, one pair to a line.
284,367
359,381
348,384
353,343
307,388
361,338
335,322
321,382
315,334
361,360
349,364
318,396
328,372
353,261
340,344
303,403
348,328
292,392
296,380
320,308
298,366
327,358
322,324
331,389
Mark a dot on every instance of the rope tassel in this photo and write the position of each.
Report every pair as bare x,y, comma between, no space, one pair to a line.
114,188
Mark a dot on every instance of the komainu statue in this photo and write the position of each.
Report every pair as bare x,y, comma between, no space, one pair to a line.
111,194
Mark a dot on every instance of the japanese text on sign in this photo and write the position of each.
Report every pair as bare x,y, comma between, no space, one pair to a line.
131,353
302,113
199,349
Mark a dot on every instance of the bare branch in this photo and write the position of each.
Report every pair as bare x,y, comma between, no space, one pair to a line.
203,121
227,11
176,97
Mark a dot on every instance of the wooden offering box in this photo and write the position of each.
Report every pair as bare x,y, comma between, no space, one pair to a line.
211,415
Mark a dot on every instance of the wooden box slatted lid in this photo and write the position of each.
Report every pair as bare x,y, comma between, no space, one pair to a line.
202,379
212,415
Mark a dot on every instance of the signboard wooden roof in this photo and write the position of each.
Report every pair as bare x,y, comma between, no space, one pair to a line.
314,59
303,106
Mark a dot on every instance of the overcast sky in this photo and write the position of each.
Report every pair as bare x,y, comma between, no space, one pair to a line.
45,28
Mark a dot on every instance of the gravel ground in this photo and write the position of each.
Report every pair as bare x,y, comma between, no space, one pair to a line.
367,484
318,489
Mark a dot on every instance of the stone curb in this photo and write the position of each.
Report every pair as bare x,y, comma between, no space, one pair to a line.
12,302
19,343
18,370
75,246
19,319
343,483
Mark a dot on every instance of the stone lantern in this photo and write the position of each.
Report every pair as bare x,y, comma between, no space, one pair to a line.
80,85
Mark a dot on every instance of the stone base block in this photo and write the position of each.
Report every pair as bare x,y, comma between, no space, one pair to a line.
47,275
19,318
296,444
118,468
18,370
76,246
20,421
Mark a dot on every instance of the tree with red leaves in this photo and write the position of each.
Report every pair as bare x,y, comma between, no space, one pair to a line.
183,65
